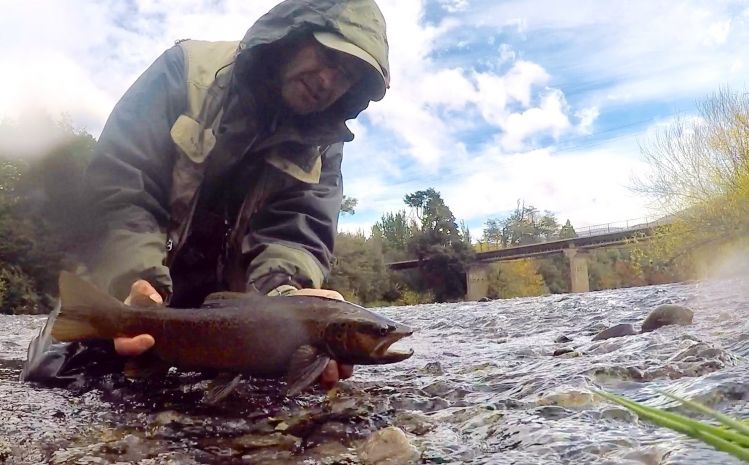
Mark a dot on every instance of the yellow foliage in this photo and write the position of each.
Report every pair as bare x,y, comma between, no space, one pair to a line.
700,174
516,278
410,297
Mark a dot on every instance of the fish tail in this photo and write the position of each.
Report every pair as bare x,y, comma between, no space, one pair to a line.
86,312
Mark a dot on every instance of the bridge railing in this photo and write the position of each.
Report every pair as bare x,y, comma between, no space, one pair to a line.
618,226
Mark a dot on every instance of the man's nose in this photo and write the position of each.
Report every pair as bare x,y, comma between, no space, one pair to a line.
331,77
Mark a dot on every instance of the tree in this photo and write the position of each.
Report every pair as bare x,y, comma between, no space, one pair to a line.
555,271
567,231
42,218
524,226
395,231
493,232
358,269
439,245
699,175
516,278
348,205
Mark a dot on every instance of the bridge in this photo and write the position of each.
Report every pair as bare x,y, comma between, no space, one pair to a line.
592,237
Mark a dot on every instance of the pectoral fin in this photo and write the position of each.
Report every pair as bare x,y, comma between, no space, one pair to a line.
307,364
221,389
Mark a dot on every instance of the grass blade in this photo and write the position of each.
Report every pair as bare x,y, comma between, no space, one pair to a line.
726,440
721,417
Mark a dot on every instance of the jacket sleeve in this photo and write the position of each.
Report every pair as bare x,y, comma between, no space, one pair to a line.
291,239
129,179
127,189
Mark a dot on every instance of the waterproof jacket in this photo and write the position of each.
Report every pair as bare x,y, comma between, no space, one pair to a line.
201,181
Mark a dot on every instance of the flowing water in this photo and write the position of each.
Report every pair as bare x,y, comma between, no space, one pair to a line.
484,386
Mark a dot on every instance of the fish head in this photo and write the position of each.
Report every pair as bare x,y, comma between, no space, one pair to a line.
366,340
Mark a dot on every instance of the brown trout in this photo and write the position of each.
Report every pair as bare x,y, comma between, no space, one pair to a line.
240,333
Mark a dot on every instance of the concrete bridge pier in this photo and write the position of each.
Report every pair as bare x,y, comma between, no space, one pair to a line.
580,281
477,281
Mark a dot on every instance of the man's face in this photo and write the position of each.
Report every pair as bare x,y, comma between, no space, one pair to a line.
314,77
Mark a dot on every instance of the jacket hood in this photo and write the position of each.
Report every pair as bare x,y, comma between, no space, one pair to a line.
358,21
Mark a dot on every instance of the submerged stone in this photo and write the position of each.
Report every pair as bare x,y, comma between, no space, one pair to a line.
562,351
619,330
665,315
388,446
5,451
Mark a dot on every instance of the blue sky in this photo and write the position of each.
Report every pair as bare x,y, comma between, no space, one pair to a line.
490,101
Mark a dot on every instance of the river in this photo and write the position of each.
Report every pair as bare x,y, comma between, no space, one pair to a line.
484,387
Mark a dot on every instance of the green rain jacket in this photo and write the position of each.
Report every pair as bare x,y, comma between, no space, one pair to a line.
201,182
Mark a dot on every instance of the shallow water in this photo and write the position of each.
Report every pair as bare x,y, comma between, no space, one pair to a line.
483,387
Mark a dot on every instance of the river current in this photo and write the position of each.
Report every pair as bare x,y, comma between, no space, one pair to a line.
484,387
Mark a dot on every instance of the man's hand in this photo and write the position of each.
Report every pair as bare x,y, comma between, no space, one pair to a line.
334,371
142,294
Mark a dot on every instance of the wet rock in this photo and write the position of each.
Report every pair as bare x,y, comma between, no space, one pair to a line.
432,368
259,441
562,339
569,399
553,412
5,451
653,455
263,457
168,417
562,351
620,330
618,414
665,315
415,422
440,388
617,373
485,299
388,446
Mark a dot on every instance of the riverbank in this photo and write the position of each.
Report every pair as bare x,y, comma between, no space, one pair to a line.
483,387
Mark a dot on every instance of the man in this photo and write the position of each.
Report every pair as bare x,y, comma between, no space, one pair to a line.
219,169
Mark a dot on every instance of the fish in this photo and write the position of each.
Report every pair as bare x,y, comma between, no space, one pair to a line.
246,334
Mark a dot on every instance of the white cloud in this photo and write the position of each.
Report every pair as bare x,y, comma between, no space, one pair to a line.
80,56
588,187
453,6
521,79
587,117
645,49
718,31
549,117
506,53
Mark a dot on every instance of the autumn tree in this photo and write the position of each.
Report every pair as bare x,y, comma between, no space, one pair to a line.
699,176
516,278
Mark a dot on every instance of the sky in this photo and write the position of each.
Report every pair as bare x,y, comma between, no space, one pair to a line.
543,102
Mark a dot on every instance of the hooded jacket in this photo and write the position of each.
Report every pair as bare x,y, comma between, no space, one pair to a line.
201,181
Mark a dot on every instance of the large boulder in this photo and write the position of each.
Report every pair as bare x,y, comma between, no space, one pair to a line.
665,315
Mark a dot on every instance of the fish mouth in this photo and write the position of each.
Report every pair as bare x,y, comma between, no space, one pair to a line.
383,353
